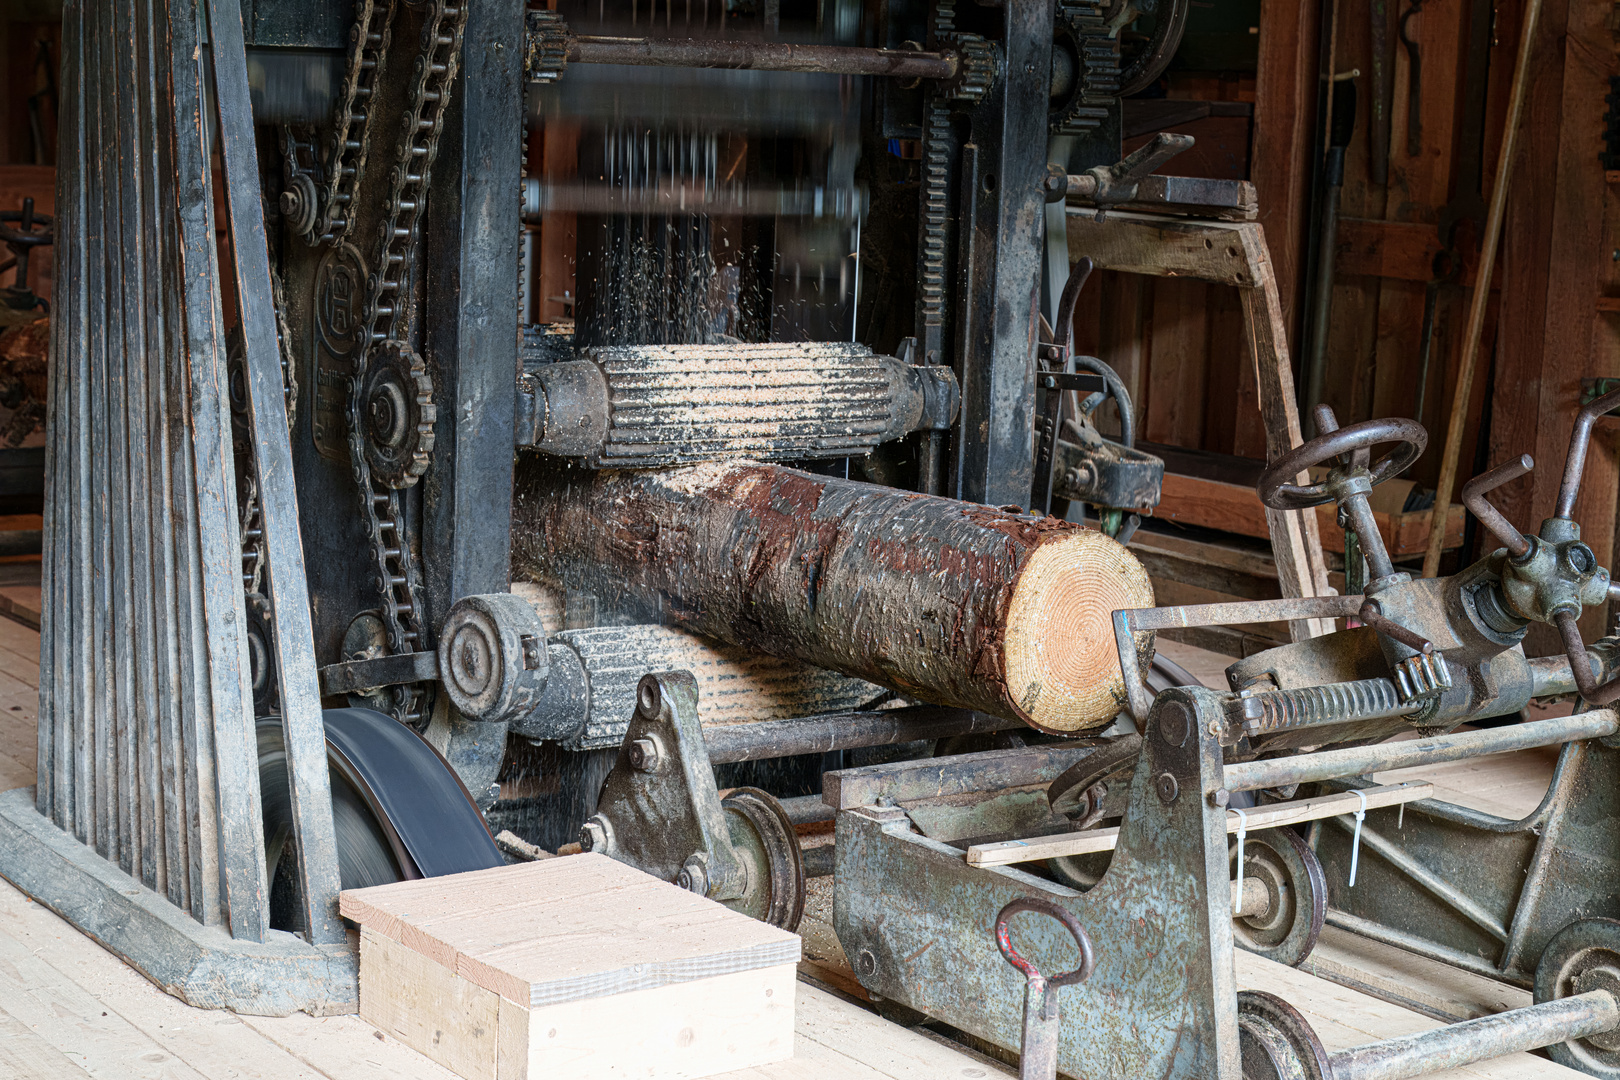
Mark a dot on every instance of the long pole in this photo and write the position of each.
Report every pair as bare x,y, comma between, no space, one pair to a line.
1482,295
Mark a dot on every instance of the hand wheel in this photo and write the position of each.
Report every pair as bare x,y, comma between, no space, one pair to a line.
1277,489
24,228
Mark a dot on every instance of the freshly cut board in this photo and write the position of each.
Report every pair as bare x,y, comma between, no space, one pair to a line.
580,967
954,603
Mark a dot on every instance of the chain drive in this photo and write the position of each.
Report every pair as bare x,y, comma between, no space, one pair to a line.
386,321
351,120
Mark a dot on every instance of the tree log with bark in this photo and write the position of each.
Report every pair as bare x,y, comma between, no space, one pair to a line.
951,602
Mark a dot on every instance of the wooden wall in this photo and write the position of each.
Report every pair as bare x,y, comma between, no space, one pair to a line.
1180,344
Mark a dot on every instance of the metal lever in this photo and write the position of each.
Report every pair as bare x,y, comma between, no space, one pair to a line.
1580,665
1106,185
1473,497
1042,1027
1579,440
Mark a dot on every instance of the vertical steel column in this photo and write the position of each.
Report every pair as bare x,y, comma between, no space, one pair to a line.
1003,165
302,726
474,228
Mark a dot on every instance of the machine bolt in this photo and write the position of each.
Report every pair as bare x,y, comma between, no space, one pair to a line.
867,962
593,836
646,755
694,875
1167,788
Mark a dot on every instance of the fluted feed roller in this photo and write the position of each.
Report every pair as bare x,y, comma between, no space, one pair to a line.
658,405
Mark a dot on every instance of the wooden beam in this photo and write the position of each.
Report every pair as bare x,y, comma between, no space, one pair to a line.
1228,253
1061,845
1233,508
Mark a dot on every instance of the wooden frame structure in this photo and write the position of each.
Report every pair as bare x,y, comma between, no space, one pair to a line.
1226,253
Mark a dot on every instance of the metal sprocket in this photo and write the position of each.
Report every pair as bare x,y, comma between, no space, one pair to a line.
399,414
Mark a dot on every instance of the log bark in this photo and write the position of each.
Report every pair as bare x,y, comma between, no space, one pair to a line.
954,603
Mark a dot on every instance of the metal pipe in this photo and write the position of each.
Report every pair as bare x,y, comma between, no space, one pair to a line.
762,56
843,731
1551,676
1579,440
1456,1045
1360,760
676,196
807,809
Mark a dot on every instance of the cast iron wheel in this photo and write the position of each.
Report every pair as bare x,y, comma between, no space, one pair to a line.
1275,1042
1287,930
367,855
1583,956
763,835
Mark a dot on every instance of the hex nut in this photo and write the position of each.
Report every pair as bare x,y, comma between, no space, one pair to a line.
645,755
694,875
593,835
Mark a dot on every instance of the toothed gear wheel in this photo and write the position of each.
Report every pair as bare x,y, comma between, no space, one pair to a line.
1081,38
978,64
547,47
399,415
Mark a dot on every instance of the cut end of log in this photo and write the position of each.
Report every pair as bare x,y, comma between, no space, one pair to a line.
1062,667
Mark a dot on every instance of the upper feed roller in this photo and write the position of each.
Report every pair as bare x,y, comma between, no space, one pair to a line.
659,405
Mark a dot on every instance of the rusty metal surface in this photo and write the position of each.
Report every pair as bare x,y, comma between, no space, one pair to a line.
1456,1045
915,921
1480,892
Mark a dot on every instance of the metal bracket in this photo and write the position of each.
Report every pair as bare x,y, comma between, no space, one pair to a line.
363,676
659,809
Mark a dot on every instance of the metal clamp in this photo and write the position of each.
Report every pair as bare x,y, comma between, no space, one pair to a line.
1042,1026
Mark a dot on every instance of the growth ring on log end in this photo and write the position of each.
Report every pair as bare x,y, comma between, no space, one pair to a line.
1061,664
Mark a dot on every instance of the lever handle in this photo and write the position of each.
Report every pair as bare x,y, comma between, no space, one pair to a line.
1579,665
1473,497
1042,1020
1144,159
1579,440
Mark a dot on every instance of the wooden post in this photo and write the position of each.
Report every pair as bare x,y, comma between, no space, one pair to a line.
1482,291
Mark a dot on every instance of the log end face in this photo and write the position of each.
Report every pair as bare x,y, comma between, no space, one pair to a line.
1061,664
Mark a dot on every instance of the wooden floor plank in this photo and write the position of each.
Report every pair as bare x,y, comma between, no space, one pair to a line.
345,1047
14,773
26,1056
1418,983
1508,785
217,1045
79,1025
